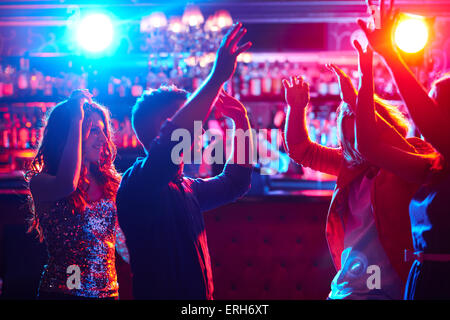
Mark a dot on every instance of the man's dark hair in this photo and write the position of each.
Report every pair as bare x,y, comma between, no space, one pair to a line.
152,108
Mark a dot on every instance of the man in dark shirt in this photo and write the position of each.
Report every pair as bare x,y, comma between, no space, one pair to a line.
159,210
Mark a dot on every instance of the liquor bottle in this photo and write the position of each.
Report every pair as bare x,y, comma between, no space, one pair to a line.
14,131
136,89
4,130
23,77
8,85
322,85
48,86
333,85
111,86
1,81
33,132
333,138
23,137
255,81
34,83
277,87
266,85
124,87
245,82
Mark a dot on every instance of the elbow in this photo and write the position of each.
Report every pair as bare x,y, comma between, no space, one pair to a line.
68,187
299,151
241,187
244,187
71,188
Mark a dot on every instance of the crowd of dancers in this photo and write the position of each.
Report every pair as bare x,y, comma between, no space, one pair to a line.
390,204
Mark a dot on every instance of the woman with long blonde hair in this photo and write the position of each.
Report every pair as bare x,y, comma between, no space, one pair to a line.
368,223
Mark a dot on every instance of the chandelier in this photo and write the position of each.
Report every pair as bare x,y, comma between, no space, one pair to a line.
189,37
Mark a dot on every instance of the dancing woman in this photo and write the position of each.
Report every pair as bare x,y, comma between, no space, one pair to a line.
73,184
368,222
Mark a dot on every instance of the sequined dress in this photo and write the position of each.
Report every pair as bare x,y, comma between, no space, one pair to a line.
85,241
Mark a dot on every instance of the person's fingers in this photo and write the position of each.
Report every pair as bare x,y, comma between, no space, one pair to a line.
305,86
243,48
292,81
222,93
333,68
382,13
232,33
339,72
285,83
234,42
358,47
391,7
223,96
296,81
362,24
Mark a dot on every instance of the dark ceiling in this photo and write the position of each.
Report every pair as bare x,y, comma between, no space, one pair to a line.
247,11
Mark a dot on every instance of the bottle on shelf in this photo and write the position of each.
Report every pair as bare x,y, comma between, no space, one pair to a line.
136,89
8,84
23,77
266,84
255,80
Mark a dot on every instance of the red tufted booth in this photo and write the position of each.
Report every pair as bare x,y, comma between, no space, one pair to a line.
270,248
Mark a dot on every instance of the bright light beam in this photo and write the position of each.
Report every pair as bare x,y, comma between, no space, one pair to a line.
95,32
411,34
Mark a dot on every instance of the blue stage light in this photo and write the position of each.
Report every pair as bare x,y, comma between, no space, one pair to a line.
95,32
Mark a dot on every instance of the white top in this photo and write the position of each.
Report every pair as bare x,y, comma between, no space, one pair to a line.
366,272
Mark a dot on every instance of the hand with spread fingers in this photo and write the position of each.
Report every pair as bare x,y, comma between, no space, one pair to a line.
228,106
296,92
227,54
348,91
365,59
381,40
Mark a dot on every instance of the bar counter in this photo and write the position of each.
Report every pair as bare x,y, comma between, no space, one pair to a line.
267,245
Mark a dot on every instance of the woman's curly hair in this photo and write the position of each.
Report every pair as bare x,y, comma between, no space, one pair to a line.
51,148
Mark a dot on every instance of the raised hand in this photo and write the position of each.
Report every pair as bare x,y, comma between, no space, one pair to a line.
226,57
348,91
381,40
78,98
228,106
296,92
365,59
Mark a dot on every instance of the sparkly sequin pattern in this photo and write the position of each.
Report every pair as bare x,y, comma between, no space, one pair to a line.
86,240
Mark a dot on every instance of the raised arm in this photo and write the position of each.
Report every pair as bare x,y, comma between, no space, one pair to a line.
199,104
159,164
429,117
410,166
234,181
347,91
45,187
299,147
349,95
